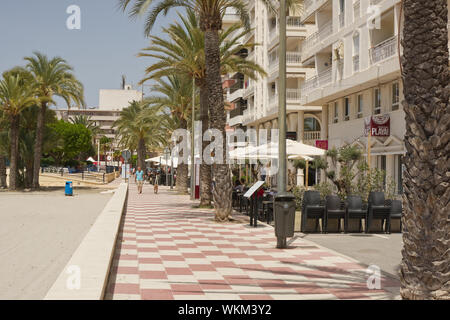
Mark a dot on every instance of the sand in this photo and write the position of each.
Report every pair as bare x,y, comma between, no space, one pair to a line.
39,231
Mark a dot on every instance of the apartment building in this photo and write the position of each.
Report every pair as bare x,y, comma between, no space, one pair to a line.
254,103
355,54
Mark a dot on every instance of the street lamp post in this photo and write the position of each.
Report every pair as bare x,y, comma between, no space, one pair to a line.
166,154
193,142
284,206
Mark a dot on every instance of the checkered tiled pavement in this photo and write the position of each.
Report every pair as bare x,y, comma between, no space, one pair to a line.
169,250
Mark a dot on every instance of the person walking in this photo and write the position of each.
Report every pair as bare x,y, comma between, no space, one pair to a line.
139,179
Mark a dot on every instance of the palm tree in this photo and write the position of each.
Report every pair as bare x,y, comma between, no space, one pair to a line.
183,51
175,93
15,95
52,77
87,123
139,128
425,267
210,13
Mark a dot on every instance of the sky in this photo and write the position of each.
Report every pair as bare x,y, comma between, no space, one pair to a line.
103,50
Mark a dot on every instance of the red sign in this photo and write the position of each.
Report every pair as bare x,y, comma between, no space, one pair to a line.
322,144
379,126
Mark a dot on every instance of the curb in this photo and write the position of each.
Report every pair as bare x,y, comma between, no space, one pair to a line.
86,274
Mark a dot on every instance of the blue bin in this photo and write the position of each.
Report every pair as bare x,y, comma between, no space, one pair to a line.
69,188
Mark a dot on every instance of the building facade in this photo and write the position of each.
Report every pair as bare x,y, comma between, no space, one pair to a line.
254,103
355,53
111,103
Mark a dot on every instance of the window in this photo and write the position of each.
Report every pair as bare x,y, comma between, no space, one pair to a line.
395,96
376,101
346,109
356,52
359,113
336,112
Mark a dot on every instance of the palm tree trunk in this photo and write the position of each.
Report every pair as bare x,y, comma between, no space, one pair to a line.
2,172
141,153
425,267
38,144
29,173
182,174
205,169
183,169
14,136
223,188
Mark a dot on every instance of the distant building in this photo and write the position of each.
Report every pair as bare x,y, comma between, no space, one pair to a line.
111,103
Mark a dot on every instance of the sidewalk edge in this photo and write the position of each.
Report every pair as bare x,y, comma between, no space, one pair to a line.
86,274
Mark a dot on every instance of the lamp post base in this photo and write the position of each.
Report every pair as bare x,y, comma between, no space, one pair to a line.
281,243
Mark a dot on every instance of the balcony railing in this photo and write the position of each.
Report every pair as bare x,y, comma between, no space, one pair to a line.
292,57
291,23
311,135
238,111
383,50
324,32
311,5
237,86
322,79
292,96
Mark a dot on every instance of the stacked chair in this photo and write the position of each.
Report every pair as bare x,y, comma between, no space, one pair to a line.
377,208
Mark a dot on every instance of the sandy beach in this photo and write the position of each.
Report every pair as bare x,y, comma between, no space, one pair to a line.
39,231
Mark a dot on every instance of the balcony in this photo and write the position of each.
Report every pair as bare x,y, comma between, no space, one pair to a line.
236,90
321,80
323,33
310,6
293,59
293,96
247,116
249,89
293,24
309,137
238,111
383,50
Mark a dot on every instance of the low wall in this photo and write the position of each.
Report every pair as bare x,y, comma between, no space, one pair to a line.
86,274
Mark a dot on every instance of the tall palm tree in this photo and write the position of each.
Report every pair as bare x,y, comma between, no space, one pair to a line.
183,51
425,268
175,93
15,95
210,13
139,128
52,77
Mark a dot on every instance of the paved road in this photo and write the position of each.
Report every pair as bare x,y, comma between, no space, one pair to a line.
382,250
169,250
38,234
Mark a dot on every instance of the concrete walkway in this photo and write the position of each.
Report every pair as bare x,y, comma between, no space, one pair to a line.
169,250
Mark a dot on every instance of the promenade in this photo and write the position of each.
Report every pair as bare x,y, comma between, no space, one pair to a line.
167,249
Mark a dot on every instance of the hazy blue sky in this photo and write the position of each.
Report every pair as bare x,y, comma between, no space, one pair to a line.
103,50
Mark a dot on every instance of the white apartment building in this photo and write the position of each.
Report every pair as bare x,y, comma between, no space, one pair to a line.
357,74
254,104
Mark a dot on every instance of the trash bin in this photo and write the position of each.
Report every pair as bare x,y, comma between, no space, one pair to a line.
284,212
69,188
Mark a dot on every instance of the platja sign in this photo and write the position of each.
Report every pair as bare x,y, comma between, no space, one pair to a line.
378,125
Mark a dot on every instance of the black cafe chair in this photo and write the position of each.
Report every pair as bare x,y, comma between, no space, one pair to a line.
355,210
333,210
396,212
378,210
312,208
